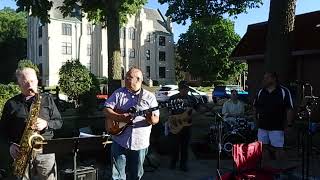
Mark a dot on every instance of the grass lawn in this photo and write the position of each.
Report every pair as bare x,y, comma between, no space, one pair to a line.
204,89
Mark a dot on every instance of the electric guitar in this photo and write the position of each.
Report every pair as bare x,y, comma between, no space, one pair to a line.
178,121
116,128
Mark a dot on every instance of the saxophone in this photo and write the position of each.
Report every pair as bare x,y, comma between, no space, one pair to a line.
28,140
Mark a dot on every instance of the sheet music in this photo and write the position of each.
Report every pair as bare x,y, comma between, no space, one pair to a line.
82,134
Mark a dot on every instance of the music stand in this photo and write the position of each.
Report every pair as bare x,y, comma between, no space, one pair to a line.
75,145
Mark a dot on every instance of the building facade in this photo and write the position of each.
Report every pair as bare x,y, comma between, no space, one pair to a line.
146,42
304,59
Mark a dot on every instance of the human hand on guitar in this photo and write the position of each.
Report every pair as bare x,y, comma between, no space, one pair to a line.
152,118
125,117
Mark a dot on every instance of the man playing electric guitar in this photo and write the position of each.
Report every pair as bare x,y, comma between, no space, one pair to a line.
180,137
132,143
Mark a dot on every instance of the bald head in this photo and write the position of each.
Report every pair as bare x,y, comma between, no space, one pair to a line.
133,79
28,81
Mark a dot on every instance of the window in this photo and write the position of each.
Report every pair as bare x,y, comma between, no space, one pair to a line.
132,33
162,72
66,48
148,37
132,53
123,52
66,29
162,41
40,50
40,31
89,50
162,56
148,71
123,33
89,29
148,54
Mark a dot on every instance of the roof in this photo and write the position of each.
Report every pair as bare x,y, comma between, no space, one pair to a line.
306,37
159,23
55,13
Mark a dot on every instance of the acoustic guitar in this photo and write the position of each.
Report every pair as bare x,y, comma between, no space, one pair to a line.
116,128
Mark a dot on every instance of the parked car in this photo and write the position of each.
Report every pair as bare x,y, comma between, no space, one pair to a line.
202,96
221,92
166,91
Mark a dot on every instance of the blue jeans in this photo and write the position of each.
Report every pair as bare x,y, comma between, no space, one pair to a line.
121,156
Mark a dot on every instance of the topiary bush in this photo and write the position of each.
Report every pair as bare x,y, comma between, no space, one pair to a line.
74,80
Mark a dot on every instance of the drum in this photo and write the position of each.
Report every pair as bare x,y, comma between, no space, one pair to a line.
242,123
252,125
226,127
214,130
231,138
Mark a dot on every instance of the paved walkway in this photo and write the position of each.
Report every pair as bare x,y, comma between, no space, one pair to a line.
206,170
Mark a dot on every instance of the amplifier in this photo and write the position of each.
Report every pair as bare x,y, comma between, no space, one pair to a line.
83,173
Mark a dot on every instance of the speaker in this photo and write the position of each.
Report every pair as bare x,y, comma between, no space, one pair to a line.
83,173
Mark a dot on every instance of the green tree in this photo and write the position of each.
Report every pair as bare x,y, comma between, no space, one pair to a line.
178,67
205,11
204,50
74,79
280,28
13,25
13,33
106,12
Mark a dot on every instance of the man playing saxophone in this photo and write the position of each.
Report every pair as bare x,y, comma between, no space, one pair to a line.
13,123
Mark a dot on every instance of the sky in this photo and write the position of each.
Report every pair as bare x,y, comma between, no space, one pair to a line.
241,22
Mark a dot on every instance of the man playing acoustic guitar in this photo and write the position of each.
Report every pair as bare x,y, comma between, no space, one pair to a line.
132,143
180,138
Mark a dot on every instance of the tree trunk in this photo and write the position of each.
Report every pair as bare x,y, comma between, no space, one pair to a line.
114,57
279,38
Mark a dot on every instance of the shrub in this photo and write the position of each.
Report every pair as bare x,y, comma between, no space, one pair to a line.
7,92
74,79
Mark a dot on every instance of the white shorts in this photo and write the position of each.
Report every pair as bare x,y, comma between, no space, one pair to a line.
274,138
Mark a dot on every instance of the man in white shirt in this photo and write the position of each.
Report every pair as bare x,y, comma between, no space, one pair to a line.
233,108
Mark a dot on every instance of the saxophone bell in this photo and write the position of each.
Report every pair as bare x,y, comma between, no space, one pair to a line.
35,142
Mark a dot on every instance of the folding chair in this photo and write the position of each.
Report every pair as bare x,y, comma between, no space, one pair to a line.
247,161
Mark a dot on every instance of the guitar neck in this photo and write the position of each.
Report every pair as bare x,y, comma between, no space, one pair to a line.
143,112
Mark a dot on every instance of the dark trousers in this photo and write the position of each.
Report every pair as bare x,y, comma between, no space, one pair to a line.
179,146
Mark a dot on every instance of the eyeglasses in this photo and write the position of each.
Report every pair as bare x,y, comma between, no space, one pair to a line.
132,78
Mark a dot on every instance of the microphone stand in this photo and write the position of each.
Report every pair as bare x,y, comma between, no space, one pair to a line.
218,175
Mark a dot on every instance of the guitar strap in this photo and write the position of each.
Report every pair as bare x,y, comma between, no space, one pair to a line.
139,98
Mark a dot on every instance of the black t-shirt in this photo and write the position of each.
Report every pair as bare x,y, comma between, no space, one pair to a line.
188,101
272,107
15,114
